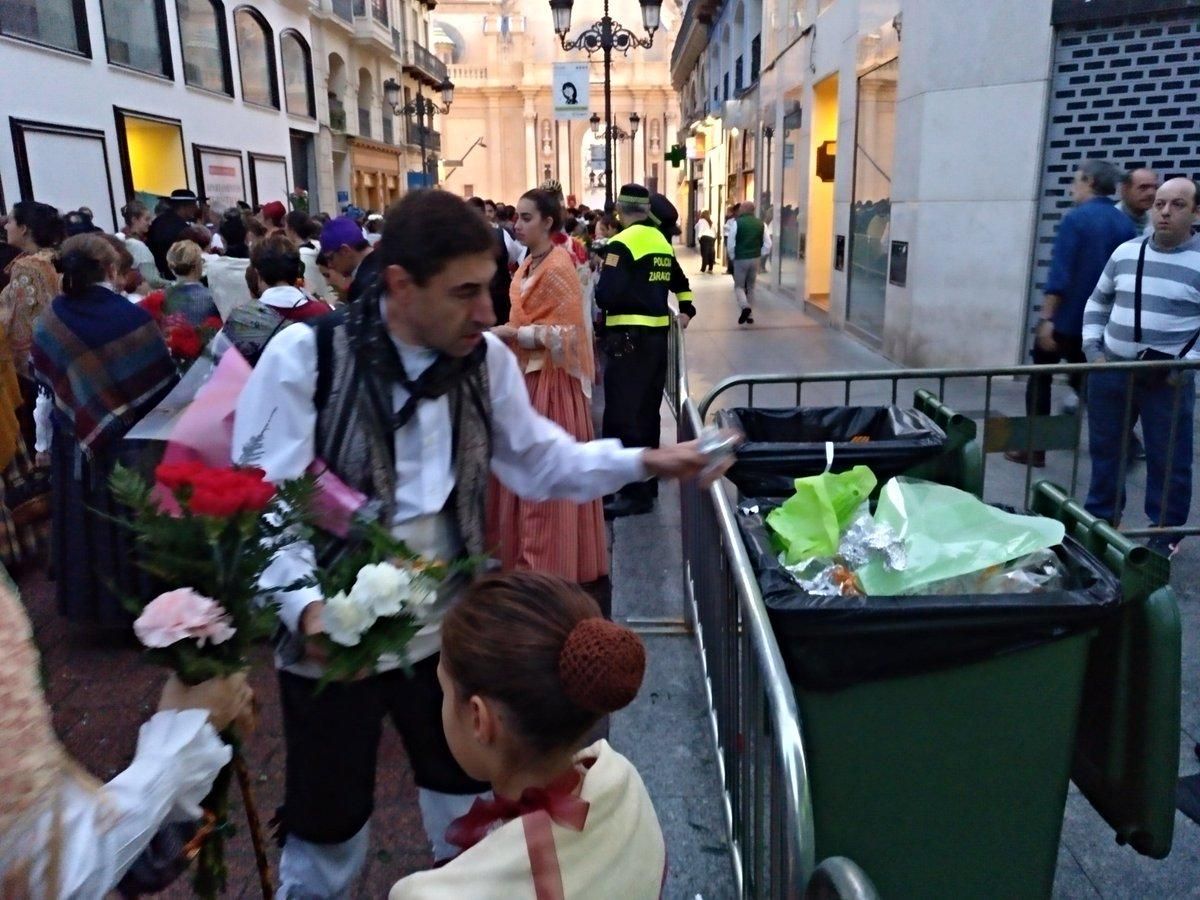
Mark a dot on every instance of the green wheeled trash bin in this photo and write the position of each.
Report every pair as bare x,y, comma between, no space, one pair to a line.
940,732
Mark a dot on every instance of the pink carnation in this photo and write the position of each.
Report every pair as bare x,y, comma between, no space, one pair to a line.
181,615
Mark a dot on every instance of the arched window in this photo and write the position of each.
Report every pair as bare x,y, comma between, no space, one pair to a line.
256,57
135,33
297,75
205,45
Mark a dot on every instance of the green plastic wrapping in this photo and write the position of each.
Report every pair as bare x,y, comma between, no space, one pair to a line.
811,522
947,533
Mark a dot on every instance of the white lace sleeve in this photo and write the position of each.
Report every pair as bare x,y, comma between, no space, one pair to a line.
102,832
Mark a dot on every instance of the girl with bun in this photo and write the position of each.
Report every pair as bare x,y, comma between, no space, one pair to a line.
528,666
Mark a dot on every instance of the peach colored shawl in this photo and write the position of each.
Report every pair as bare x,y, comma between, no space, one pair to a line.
551,301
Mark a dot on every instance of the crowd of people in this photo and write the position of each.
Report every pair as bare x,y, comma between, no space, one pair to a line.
1124,285
441,359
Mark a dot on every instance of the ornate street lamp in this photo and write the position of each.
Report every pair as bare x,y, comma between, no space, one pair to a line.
606,35
422,108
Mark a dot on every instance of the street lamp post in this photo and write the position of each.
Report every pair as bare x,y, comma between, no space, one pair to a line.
606,35
423,108
617,134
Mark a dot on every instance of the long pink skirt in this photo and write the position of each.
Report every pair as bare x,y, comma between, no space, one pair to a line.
554,536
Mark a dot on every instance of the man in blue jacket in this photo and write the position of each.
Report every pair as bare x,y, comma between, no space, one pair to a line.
1086,238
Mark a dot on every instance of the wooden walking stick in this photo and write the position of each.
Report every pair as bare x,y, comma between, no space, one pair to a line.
255,823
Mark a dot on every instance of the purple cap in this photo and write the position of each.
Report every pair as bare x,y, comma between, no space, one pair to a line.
340,232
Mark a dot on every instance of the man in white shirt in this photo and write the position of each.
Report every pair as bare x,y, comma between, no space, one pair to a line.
408,398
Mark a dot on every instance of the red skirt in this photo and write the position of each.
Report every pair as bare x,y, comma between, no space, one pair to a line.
558,537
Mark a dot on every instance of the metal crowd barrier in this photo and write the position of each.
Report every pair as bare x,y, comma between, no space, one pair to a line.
752,708
1005,424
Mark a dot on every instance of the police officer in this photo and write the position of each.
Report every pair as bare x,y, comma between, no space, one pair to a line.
639,271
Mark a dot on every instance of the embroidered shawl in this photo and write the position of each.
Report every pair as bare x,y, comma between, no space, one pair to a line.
105,360
33,283
549,303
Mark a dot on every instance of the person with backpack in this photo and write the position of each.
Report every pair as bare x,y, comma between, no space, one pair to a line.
410,400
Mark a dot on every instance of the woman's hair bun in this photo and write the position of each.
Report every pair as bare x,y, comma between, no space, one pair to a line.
601,665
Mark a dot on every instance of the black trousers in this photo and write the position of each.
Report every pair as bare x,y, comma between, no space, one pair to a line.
708,253
332,741
633,391
1037,391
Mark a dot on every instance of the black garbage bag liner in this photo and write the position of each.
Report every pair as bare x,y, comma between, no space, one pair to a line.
829,643
785,444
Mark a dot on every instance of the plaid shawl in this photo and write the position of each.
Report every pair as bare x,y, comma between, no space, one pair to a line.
105,361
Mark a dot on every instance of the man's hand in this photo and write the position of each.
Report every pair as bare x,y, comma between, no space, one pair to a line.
683,318
1045,336
311,624
228,700
683,461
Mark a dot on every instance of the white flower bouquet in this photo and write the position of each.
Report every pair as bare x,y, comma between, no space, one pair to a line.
376,599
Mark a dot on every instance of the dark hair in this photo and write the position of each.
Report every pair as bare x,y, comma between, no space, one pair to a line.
508,639
254,227
427,229
132,210
84,260
298,220
233,232
476,203
549,206
277,260
608,220
491,203
43,221
706,217
1102,175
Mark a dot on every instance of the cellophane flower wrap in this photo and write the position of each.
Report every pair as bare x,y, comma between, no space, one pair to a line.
377,593
208,550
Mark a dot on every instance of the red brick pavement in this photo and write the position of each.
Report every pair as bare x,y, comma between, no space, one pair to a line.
101,691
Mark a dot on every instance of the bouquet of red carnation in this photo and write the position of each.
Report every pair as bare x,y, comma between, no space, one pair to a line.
185,341
210,548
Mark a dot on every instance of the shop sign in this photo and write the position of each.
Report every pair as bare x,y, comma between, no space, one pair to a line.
224,184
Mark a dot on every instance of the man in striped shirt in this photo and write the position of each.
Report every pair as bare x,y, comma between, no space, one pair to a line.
1168,326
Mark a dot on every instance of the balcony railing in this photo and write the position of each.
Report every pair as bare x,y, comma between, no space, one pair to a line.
364,122
389,136
426,64
397,42
343,9
415,131
337,118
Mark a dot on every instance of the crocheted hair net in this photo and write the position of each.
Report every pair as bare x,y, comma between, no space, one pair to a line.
601,665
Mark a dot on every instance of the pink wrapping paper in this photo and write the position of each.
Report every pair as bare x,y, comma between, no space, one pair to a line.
204,433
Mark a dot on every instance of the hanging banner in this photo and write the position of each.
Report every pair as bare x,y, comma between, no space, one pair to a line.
570,91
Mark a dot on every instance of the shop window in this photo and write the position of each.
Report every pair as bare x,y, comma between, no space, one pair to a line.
256,57
205,45
152,155
297,75
135,35
871,210
55,23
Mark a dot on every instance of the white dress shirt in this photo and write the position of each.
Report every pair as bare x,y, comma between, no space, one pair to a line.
531,455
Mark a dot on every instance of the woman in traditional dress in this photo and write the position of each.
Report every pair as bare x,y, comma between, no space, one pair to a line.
187,296
137,224
63,834
528,666
547,329
36,230
104,360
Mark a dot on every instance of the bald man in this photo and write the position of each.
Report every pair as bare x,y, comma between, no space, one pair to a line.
1165,270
